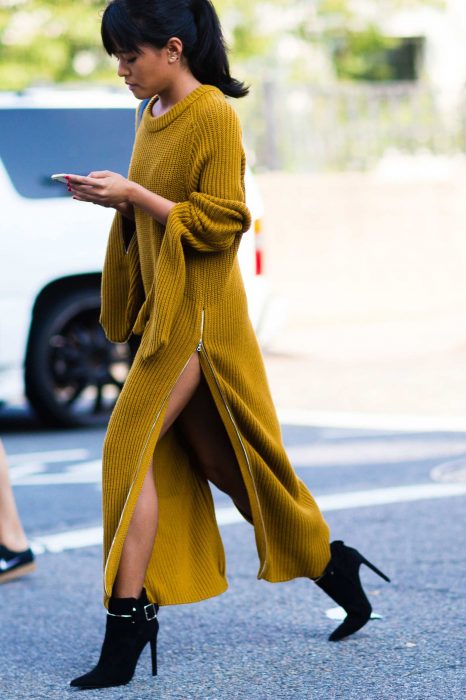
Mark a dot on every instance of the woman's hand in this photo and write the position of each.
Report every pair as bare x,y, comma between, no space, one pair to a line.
112,190
100,187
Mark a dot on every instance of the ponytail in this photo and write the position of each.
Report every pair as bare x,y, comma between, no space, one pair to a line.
208,60
129,24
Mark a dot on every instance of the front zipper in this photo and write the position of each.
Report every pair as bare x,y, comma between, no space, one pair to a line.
199,345
198,349
201,349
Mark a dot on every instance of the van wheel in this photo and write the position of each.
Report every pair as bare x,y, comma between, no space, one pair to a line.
73,373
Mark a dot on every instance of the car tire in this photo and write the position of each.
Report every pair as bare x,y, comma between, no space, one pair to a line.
73,374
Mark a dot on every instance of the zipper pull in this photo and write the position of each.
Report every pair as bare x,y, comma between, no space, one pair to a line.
199,345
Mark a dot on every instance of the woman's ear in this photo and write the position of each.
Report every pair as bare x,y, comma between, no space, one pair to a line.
174,48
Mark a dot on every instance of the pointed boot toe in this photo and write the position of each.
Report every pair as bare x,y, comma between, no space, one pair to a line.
131,625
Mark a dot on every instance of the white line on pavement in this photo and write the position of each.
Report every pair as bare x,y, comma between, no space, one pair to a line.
87,537
82,473
25,471
376,451
373,421
72,539
395,494
49,456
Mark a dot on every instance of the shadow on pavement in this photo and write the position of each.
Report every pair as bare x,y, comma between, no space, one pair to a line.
18,419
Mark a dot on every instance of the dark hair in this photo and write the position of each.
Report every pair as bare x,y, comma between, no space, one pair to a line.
129,24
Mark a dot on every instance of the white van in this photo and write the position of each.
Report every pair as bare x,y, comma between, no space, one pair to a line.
52,348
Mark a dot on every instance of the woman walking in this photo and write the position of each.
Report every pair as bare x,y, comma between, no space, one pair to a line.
196,406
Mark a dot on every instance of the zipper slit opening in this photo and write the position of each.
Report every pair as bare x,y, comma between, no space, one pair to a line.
240,440
159,412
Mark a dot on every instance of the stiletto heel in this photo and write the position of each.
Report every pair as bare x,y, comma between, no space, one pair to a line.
374,568
131,625
341,582
153,652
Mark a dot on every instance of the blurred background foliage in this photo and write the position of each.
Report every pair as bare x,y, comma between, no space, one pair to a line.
56,41
44,41
323,73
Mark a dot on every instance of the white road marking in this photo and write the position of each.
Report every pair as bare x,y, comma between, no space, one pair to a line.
82,473
25,470
377,451
87,537
395,494
48,457
373,421
71,539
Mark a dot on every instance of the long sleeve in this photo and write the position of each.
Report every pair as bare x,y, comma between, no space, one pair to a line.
209,221
215,212
122,291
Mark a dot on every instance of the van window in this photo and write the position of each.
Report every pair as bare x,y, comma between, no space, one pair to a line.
35,143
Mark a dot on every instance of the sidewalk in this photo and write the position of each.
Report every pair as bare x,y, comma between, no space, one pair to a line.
374,273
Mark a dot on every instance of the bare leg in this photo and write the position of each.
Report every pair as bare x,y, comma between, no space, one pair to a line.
11,531
207,437
139,541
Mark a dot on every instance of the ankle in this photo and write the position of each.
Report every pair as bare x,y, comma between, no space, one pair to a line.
126,590
14,541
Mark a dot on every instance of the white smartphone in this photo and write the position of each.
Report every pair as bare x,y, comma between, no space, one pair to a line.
60,177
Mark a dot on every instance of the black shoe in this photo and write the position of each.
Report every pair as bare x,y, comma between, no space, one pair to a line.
15,564
131,624
341,582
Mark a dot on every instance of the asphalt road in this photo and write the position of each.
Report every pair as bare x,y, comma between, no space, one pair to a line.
258,641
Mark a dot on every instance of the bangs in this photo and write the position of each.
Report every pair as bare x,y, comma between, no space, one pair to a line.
119,32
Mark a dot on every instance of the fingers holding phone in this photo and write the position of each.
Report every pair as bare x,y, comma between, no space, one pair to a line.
60,177
101,187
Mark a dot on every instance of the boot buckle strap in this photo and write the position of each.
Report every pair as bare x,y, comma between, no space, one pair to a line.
150,611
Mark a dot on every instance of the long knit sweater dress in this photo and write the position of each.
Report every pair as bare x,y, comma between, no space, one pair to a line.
180,287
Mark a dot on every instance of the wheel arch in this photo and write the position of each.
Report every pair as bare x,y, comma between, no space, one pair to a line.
63,285
57,289
60,302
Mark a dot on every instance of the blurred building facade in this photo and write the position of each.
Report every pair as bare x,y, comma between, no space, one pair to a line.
440,33
304,116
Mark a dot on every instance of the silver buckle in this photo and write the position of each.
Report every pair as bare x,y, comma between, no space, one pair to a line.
148,609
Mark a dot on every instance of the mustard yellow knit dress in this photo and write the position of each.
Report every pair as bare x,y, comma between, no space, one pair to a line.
180,287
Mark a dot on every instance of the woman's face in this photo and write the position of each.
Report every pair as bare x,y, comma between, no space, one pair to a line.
147,73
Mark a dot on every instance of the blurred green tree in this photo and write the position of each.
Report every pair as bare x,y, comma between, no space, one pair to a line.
358,48
43,41
47,41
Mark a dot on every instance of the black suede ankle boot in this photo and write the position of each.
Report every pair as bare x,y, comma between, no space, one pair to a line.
131,624
341,582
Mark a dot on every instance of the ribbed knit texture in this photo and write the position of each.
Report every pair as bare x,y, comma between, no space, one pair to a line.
167,280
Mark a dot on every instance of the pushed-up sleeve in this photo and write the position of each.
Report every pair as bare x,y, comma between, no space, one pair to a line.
215,212
211,218
208,223
122,290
